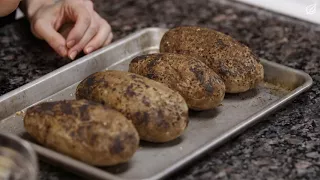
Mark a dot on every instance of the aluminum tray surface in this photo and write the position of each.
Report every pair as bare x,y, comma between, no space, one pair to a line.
207,129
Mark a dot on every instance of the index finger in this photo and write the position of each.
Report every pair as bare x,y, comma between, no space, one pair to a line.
82,23
46,31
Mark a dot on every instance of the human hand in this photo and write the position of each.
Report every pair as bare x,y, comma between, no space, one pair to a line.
88,33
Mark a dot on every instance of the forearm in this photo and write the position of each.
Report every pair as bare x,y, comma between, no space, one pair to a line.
29,7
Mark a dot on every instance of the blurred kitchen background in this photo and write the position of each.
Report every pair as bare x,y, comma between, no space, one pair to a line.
307,10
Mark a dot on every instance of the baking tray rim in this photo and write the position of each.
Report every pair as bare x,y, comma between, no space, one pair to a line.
307,78
74,63
255,118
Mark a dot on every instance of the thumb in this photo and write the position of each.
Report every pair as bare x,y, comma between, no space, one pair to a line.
44,30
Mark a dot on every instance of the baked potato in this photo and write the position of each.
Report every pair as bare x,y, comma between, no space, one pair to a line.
159,113
199,85
234,62
84,130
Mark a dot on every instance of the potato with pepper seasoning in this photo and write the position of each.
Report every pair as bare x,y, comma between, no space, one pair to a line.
84,130
159,113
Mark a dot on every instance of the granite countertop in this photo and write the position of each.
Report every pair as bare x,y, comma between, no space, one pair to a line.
285,146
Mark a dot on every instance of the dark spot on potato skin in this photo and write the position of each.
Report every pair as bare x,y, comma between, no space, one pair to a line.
221,44
93,103
72,134
208,87
86,86
145,117
137,115
160,114
133,76
90,81
198,73
130,138
155,60
130,92
117,146
139,58
223,70
145,101
141,82
93,139
66,108
84,113
81,133
161,122
200,76
151,76
141,118
46,106
105,84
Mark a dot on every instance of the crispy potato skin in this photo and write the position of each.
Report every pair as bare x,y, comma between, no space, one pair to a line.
158,113
234,62
87,131
199,85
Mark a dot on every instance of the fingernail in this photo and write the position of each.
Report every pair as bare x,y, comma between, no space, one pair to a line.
70,43
73,54
62,50
89,49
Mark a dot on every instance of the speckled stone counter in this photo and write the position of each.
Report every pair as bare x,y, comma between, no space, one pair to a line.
285,146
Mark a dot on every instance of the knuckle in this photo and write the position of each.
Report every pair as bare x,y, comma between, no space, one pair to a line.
36,25
87,20
52,39
89,4
76,48
108,26
105,25
94,29
77,34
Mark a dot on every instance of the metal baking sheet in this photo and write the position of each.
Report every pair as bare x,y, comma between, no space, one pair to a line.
207,129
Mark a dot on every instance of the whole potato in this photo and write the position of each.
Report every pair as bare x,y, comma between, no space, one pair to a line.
199,85
84,130
158,113
234,62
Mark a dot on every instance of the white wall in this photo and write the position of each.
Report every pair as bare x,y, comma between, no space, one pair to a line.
308,10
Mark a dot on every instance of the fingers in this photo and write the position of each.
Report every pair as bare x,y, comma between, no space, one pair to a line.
89,34
96,36
44,30
102,38
82,20
109,39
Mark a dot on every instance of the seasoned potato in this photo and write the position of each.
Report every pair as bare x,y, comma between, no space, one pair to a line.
199,85
159,113
87,131
234,62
